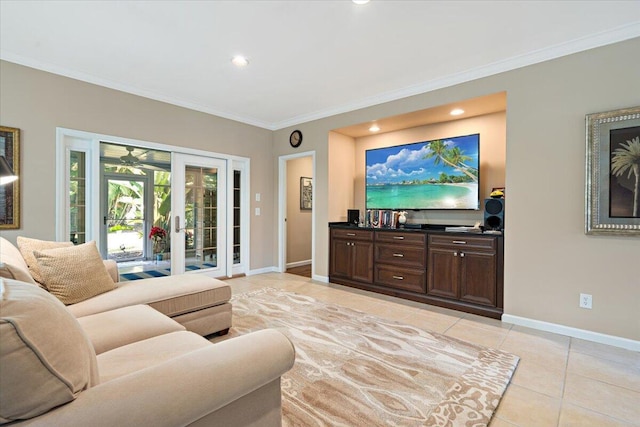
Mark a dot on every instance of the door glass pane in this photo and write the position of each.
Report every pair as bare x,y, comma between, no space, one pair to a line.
125,219
162,208
201,217
236,217
77,194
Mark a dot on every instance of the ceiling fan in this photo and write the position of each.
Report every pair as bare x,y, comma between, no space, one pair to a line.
130,160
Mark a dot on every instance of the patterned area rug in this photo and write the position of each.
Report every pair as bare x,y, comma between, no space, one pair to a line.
354,369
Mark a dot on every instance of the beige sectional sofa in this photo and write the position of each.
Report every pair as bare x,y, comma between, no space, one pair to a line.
112,364
198,302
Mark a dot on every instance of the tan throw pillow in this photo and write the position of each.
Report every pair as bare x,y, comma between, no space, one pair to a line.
27,246
46,359
75,273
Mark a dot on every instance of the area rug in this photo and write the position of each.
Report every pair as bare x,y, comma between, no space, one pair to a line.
355,369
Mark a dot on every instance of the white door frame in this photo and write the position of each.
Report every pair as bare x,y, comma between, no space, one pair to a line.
282,209
68,140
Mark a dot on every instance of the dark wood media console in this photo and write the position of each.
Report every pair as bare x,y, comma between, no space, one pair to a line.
461,271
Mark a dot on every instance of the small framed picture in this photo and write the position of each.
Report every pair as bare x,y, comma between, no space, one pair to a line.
306,193
10,193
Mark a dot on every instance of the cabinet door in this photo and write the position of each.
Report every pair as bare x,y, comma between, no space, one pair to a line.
478,277
443,272
341,258
362,261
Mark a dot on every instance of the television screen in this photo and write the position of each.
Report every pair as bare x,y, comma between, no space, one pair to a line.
438,174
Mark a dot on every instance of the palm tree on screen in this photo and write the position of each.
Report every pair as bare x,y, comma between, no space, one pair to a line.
627,159
453,157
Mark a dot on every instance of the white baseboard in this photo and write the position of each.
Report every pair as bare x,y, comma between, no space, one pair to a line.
318,278
263,270
298,263
583,334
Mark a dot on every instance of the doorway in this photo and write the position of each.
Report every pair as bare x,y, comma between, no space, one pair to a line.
125,217
296,213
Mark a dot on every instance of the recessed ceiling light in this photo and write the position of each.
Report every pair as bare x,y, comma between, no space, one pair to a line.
456,112
374,128
240,61
360,1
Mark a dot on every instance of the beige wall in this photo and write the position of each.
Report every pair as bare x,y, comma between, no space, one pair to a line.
38,102
548,258
492,130
298,220
341,170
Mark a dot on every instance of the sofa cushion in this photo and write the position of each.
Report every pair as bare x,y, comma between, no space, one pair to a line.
74,273
126,325
27,247
46,359
145,354
12,264
170,295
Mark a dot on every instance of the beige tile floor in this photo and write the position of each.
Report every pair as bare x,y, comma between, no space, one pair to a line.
560,381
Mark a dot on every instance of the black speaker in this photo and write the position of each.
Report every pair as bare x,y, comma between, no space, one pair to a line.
494,214
353,216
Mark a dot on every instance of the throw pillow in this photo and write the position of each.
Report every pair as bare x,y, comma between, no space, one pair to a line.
75,273
27,245
46,359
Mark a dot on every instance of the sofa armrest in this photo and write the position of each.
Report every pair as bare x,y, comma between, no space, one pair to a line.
182,390
112,269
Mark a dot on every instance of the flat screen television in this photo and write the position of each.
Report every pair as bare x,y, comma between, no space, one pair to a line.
437,174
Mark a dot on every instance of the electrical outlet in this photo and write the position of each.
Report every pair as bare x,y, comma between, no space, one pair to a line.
586,301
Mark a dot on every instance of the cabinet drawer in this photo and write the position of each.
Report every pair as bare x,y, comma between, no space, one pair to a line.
400,237
351,234
401,255
401,278
463,241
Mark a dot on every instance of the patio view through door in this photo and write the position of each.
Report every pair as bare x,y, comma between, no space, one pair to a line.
125,218
198,234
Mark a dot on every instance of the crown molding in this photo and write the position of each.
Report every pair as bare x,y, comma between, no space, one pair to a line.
593,41
604,38
110,84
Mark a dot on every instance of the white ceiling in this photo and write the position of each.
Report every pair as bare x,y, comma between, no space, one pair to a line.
308,59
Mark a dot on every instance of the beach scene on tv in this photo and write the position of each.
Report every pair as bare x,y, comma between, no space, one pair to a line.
438,174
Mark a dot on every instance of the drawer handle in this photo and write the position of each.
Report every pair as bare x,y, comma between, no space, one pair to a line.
459,242
351,234
398,237
398,255
398,277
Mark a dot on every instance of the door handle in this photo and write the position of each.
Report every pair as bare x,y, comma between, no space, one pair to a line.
177,223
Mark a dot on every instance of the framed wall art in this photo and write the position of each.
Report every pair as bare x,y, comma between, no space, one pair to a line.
613,173
306,192
10,193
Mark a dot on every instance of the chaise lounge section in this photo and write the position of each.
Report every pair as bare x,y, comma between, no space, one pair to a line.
198,302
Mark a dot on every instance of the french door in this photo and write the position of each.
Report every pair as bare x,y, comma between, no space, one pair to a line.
199,204
202,203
